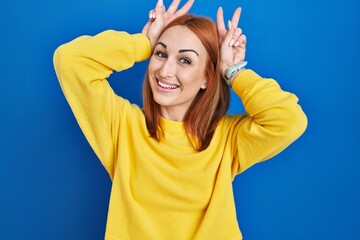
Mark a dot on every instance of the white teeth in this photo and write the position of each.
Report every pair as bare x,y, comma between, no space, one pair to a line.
164,85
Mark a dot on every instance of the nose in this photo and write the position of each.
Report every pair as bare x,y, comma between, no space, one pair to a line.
167,70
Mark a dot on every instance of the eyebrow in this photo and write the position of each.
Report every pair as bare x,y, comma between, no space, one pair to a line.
181,50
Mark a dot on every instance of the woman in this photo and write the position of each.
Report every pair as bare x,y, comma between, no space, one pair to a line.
172,163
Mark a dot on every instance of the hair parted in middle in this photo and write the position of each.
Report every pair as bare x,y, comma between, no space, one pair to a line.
210,104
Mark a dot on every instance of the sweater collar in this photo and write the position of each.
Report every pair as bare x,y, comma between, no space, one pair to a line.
172,126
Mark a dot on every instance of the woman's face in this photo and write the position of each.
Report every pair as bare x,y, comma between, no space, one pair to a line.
177,71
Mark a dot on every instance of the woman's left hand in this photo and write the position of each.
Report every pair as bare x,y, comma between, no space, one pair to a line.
232,42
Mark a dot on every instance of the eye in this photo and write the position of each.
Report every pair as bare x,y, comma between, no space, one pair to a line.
185,61
160,54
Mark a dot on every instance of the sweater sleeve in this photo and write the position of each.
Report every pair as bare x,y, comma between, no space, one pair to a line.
82,67
274,120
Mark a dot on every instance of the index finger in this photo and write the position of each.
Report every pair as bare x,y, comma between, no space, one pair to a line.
185,8
220,20
236,17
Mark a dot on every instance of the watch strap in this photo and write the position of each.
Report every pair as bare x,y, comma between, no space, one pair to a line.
233,69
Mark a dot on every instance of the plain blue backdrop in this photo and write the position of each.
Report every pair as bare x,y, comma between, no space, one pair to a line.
53,187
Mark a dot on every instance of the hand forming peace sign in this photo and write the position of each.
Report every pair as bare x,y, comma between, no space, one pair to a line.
159,18
232,42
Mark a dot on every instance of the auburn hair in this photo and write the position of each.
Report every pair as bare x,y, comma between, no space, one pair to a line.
210,104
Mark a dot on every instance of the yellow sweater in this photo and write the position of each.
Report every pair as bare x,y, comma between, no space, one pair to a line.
167,190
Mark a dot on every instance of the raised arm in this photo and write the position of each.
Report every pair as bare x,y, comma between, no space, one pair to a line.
82,67
274,121
274,118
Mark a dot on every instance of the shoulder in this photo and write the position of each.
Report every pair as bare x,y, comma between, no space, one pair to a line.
230,121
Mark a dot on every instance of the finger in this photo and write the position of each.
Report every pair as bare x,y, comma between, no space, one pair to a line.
159,3
220,25
220,20
185,8
235,38
237,33
236,17
159,8
174,5
159,13
241,42
228,39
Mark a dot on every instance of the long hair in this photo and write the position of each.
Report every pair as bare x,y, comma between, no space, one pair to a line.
210,104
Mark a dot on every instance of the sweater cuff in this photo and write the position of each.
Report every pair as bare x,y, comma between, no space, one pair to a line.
142,47
243,80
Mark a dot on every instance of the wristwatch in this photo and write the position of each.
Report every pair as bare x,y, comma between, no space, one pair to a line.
233,69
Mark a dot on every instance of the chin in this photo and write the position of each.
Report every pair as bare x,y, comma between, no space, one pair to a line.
161,100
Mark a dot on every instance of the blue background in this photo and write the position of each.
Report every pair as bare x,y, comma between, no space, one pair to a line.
53,187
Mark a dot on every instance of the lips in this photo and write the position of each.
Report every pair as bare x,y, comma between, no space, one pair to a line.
166,85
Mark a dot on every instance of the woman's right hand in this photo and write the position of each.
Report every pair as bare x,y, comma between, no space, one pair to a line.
159,18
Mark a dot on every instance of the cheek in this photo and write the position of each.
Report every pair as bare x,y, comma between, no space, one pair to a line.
193,77
151,65
154,64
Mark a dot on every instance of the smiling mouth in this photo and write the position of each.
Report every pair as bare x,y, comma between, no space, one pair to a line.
166,85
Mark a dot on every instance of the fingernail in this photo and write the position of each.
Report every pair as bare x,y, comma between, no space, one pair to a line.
237,44
232,42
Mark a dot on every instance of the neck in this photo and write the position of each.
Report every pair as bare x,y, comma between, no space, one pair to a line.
172,114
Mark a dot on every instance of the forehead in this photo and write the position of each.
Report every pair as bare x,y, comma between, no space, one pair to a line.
180,37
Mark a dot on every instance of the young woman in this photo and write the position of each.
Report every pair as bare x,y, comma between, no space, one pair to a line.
172,163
